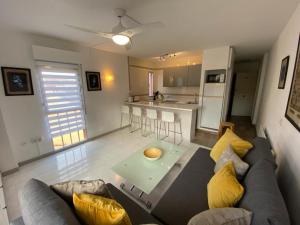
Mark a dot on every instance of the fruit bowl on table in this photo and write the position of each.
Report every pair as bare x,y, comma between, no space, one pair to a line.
152,153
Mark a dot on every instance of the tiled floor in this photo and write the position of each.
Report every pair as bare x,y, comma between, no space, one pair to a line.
92,160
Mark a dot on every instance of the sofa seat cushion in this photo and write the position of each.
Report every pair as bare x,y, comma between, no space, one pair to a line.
136,213
41,206
262,195
187,196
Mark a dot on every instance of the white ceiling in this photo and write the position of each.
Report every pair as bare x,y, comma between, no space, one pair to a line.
249,25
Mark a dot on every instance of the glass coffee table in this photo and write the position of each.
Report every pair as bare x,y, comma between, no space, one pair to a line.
145,174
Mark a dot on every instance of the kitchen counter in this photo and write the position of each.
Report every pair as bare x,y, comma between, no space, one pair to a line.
187,113
166,105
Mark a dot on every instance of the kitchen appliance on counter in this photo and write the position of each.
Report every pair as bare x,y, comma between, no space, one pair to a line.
212,101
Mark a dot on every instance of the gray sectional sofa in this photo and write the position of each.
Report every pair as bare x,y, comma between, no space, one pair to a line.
187,196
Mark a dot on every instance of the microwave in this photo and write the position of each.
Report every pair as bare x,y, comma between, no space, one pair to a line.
215,78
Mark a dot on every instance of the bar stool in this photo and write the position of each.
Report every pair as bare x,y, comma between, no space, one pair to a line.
136,119
151,116
169,118
125,112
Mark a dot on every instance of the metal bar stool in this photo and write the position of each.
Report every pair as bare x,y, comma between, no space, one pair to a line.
136,119
168,118
125,112
151,116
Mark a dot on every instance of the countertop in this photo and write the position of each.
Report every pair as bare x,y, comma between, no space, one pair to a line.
165,105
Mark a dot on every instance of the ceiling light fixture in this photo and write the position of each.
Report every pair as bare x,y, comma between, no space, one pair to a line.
164,57
121,39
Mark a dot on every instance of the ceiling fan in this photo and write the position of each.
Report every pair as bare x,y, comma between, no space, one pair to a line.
120,34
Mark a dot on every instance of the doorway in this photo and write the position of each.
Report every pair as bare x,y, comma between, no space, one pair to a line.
243,97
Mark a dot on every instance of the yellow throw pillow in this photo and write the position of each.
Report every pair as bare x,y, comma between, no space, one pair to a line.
97,210
223,189
240,146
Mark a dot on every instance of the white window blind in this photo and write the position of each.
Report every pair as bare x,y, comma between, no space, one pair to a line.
62,98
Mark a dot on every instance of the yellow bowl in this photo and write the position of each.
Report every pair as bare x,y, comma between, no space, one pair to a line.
152,153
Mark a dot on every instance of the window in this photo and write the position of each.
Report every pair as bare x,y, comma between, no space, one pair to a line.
150,83
64,111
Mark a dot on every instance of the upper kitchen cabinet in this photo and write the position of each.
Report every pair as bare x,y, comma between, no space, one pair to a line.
194,75
175,76
169,77
183,76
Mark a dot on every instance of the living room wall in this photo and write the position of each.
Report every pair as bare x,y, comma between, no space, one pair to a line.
284,136
23,115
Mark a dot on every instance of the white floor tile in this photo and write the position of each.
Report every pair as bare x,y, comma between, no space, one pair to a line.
92,160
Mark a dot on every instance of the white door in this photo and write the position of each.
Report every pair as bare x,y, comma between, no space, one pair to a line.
244,94
211,112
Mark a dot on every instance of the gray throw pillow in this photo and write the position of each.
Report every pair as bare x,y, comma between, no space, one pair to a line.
222,216
229,155
66,189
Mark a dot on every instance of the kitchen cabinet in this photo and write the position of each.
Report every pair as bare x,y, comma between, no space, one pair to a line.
175,76
194,75
169,77
183,76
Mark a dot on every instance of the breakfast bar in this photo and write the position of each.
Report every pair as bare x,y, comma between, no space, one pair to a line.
186,113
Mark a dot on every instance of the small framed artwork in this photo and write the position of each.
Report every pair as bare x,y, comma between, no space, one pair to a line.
283,72
292,112
93,81
17,81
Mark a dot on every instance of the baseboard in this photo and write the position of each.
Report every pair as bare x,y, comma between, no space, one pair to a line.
68,147
11,171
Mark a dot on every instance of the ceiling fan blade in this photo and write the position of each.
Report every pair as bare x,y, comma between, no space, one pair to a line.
129,45
102,34
140,28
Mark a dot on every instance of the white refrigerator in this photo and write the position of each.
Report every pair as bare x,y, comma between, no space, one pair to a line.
212,106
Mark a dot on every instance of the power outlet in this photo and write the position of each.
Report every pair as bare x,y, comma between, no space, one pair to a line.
35,140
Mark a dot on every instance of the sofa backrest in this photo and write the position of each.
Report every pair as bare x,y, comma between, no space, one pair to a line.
261,150
262,195
41,206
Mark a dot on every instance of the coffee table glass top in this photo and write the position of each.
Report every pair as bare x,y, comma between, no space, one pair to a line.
144,173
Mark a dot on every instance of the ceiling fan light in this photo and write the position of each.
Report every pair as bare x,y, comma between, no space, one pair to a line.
120,39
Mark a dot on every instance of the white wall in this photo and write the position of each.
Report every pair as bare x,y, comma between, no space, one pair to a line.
260,85
138,80
285,137
23,115
7,160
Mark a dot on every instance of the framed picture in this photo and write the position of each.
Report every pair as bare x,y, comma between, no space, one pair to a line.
17,81
93,81
293,106
283,72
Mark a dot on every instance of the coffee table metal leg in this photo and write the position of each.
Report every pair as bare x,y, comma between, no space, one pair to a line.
130,191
